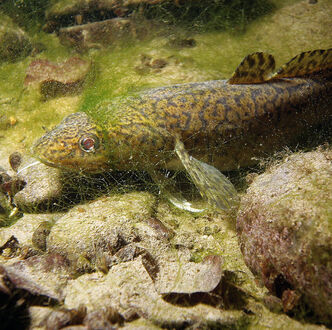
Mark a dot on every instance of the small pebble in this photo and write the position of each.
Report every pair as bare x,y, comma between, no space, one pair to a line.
15,160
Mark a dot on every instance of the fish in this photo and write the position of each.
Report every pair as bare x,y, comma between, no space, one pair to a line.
202,127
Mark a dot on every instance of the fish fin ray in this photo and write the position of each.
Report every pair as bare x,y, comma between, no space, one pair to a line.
306,63
254,68
211,183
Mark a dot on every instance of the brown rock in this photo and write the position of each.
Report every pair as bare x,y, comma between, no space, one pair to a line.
100,34
14,42
284,224
58,79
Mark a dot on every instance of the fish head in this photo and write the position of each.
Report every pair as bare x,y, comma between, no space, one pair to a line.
77,144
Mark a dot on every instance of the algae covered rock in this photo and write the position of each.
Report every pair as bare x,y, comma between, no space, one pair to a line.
43,185
104,226
101,34
285,228
14,42
58,79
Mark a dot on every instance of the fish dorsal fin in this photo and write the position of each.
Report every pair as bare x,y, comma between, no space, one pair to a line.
306,63
255,68
211,184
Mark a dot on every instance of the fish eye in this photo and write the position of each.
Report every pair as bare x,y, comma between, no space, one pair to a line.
89,143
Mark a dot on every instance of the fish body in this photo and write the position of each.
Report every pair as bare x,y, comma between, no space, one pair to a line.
227,126
225,123
221,124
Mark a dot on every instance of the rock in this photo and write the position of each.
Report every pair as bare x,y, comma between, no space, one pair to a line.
43,185
103,226
58,79
179,43
5,121
15,160
285,231
72,12
101,34
23,229
190,277
39,275
128,286
147,64
103,318
40,235
14,42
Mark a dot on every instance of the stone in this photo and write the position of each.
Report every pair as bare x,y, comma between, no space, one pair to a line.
57,79
43,185
100,34
103,226
285,231
14,42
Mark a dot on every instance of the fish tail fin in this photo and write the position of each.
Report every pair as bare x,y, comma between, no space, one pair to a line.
307,63
211,183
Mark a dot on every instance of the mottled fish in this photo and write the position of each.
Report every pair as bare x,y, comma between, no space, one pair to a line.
200,127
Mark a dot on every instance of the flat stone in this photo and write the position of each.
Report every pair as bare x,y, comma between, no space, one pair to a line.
128,286
189,277
39,275
98,34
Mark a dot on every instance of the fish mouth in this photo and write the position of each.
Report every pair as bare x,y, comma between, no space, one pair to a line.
37,152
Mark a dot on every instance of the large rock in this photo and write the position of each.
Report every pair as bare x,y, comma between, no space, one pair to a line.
104,226
285,228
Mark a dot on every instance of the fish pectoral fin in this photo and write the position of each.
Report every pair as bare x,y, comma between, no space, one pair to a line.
211,183
255,68
306,63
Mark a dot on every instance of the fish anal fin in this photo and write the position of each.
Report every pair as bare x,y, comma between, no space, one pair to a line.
211,183
306,63
255,68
